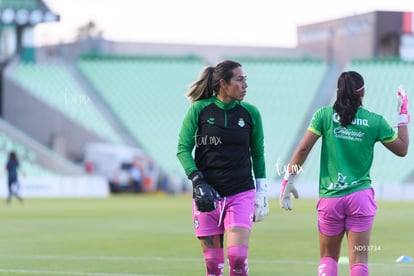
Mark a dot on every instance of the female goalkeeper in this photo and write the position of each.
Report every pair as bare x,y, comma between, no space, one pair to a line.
346,203
228,139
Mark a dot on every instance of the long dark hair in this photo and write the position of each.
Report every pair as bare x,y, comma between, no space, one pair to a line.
348,96
208,83
13,157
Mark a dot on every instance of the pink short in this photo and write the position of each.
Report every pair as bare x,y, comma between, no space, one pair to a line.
354,212
235,210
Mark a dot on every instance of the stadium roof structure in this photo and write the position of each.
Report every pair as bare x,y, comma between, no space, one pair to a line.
25,12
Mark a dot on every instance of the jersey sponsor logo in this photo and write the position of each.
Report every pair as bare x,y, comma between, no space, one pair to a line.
341,183
347,134
210,121
241,122
355,121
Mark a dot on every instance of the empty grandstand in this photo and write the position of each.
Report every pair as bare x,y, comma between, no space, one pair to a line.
382,77
53,84
63,97
147,94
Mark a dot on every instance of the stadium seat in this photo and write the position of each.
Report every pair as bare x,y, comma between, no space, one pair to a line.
27,157
53,84
147,94
283,89
382,78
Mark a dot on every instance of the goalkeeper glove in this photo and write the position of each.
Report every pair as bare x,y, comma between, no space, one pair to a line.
286,189
204,195
261,204
403,117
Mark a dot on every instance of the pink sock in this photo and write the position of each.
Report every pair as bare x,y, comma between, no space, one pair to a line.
359,269
214,259
328,267
237,256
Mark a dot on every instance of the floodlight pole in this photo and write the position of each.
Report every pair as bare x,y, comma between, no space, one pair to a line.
6,61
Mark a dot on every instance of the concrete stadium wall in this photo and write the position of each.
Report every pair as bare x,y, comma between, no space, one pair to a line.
383,191
59,187
373,34
45,157
211,54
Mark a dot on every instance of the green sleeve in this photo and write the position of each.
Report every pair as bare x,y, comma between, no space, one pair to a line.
387,133
316,124
186,140
257,146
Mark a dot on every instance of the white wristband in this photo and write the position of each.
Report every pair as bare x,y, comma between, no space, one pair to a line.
289,176
403,119
261,185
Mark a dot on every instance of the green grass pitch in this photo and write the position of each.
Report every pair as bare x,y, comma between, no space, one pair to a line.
129,235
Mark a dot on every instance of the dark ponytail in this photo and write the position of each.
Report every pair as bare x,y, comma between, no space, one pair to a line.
208,83
202,88
348,97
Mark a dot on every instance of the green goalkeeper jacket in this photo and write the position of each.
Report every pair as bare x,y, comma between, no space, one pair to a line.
229,144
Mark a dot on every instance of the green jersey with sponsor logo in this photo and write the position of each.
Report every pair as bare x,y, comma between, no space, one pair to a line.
347,152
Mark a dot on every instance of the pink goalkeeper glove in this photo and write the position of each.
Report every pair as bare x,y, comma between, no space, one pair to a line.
286,189
403,117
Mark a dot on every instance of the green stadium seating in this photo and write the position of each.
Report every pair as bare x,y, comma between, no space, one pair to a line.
53,84
147,94
27,158
382,78
283,89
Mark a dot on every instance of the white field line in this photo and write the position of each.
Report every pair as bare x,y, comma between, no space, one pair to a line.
164,259
47,272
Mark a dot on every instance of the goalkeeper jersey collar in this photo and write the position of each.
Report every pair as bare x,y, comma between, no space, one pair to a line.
225,105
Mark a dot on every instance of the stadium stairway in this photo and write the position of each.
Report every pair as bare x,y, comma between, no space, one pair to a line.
40,159
275,87
147,94
47,101
284,90
116,124
324,96
44,173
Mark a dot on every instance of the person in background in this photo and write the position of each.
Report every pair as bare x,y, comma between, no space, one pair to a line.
346,204
12,167
136,175
229,143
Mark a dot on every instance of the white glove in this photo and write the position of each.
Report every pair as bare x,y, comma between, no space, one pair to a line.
403,115
261,204
286,189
